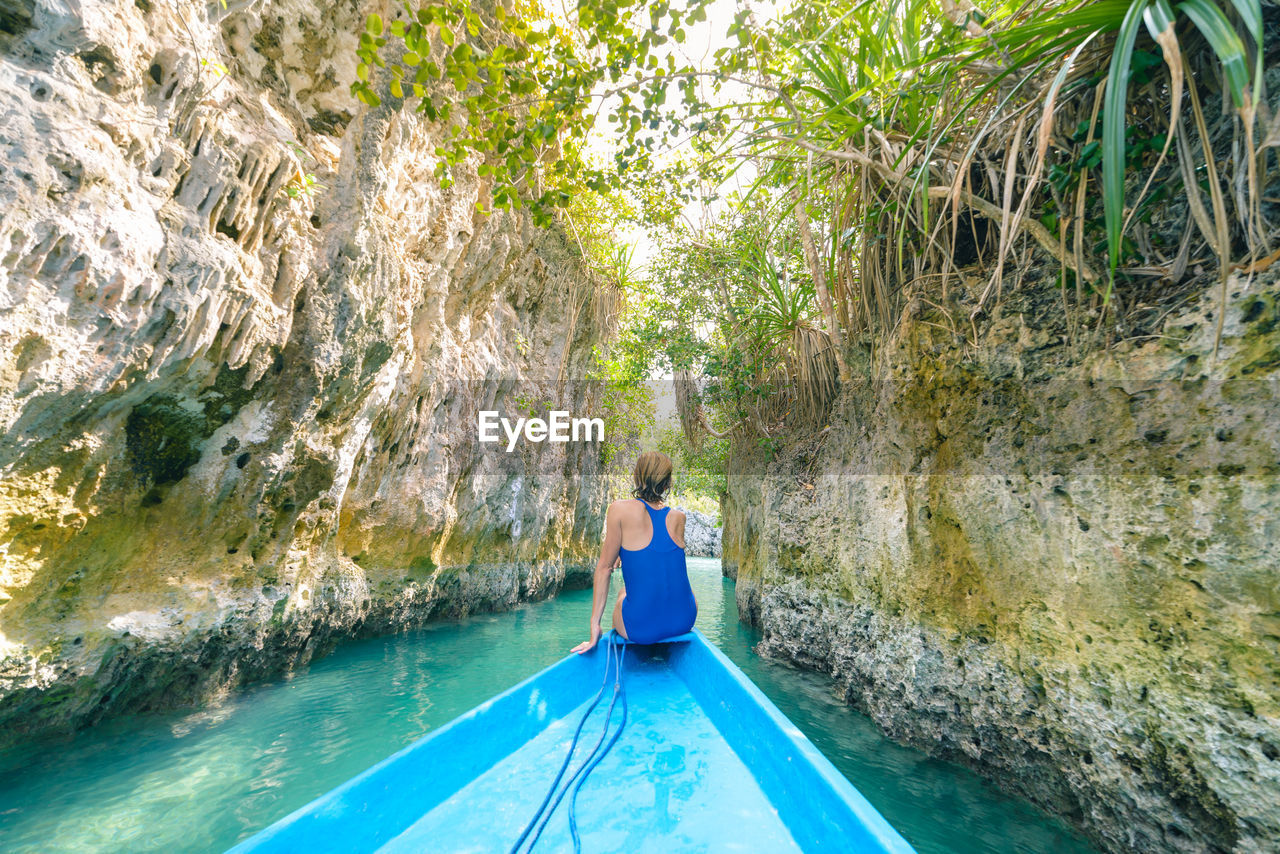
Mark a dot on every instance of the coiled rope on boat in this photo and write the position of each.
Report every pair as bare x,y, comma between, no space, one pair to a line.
613,654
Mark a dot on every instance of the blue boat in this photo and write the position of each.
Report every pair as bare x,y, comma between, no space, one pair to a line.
674,749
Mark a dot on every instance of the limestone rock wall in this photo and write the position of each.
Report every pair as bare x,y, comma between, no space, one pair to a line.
1062,571
243,337
701,535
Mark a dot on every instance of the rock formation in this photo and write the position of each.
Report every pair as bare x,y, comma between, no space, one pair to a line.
701,535
1062,570
243,337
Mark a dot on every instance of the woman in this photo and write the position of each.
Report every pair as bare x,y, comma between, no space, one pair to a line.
656,601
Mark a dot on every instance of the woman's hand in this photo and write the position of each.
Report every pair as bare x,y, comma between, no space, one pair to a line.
587,646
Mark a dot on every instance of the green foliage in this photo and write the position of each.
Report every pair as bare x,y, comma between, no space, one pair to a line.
616,262
524,90
626,402
532,407
302,184
1158,18
782,297
699,480
973,128
892,131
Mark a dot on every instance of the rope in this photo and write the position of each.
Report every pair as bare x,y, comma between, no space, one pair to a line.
614,645
573,799
572,746
617,686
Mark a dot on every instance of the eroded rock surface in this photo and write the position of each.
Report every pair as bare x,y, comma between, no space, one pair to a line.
1064,572
701,535
243,337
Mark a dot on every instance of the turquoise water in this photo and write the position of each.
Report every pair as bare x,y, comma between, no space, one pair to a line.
200,781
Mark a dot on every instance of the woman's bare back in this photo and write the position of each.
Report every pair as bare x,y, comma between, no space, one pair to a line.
637,530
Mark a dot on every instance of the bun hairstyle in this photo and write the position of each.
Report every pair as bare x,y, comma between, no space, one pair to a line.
652,476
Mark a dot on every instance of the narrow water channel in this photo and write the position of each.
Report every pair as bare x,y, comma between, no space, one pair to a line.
200,781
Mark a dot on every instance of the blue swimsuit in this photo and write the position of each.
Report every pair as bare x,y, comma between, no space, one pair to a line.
659,600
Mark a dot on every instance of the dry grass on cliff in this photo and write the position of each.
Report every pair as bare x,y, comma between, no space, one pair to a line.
951,159
1088,164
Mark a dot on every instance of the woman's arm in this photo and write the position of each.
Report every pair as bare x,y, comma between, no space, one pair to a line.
603,576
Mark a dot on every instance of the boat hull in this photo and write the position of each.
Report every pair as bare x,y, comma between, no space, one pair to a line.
705,763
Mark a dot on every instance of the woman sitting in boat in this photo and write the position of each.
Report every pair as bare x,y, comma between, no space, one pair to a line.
656,601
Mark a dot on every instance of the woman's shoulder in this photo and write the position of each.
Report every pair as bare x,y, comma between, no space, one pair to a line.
623,505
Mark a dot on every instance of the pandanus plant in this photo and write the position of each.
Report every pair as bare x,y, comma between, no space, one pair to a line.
782,323
1242,66
919,116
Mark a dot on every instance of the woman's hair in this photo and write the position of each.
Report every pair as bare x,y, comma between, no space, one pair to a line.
652,476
